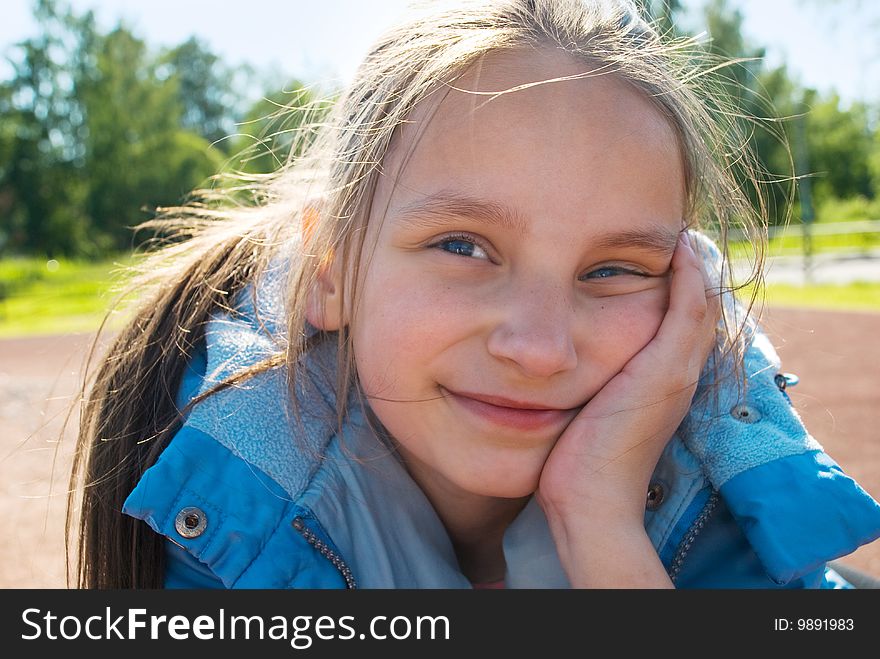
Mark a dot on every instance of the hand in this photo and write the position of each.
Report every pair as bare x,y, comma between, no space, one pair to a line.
595,480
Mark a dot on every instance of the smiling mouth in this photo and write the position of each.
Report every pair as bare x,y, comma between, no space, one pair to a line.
517,415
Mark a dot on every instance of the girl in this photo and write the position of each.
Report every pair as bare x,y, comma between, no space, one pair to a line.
471,338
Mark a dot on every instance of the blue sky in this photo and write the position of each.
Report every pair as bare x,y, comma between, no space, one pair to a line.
826,45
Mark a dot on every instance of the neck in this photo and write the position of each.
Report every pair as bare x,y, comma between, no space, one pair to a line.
475,523
478,543
476,528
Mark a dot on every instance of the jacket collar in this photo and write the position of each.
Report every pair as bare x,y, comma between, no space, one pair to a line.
379,519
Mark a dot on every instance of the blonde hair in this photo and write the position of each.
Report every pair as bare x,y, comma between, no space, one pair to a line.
318,203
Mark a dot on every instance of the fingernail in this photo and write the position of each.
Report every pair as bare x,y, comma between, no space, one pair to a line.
686,240
689,237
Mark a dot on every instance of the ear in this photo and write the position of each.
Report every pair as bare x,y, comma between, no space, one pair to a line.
324,303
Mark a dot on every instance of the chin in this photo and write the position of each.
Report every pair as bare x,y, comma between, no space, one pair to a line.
503,486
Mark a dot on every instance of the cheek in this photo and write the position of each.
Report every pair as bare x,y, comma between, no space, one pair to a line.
622,326
403,322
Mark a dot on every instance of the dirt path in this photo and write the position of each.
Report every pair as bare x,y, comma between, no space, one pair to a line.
38,380
836,355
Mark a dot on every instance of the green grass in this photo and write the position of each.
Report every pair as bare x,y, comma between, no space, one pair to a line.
44,297
857,296
856,242
74,297
794,244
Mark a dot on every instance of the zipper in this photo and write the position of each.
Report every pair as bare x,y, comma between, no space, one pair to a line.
325,551
688,540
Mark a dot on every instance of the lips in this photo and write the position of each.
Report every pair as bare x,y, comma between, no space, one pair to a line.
518,415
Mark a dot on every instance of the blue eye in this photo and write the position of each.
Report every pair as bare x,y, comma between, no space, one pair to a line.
608,272
462,246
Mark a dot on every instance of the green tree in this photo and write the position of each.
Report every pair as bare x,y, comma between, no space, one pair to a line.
763,98
841,146
874,162
209,104
138,156
270,132
663,13
40,188
92,138
830,144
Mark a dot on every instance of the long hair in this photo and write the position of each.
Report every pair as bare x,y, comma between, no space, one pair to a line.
317,204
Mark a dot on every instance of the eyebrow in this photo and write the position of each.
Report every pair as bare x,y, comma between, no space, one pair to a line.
438,208
656,238
435,210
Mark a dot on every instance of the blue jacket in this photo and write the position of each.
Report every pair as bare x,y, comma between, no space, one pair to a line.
251,494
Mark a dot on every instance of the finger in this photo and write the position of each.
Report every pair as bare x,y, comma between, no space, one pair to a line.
689,310
708,335
711,277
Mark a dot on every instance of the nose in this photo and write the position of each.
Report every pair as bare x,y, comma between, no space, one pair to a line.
535,333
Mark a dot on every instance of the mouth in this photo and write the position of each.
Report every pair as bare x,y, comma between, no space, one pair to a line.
517,415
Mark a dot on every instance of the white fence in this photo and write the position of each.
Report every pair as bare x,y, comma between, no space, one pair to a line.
856,259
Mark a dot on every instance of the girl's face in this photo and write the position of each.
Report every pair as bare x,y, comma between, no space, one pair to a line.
522,245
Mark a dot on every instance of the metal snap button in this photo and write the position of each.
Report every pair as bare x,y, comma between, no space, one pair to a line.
745,413
656,494
785,380
191,522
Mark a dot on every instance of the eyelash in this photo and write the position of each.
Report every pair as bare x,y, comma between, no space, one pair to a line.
617,269
464,237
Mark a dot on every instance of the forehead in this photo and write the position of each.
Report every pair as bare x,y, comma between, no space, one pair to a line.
540,119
